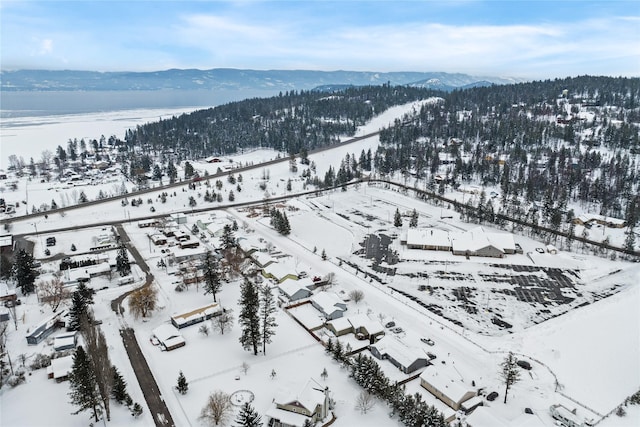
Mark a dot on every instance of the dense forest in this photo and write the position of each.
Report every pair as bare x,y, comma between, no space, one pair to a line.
288,122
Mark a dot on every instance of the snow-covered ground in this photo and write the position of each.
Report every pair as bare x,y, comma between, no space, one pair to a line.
591,351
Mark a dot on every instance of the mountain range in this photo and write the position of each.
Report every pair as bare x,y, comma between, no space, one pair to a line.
231,79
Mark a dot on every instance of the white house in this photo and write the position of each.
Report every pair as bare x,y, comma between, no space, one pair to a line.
447,386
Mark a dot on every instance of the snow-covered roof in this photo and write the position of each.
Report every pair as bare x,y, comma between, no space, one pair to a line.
428,237
373,327
63,341
397,350
446,381
290,287
6,240
196,313
262,258
168,335
328,302
340,324
286,417
483,417
61,367
279,271
587,217
310,396
478,238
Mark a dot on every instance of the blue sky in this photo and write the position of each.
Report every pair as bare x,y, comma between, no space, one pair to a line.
530,39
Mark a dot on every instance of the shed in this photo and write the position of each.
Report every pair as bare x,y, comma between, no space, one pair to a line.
60,368
65,341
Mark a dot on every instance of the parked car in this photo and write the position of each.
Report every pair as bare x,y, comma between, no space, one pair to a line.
51,241
524,364
390,324
427,341
397,330
540,250
492,396
431,355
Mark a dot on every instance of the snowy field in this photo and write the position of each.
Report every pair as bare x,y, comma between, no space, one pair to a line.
591,351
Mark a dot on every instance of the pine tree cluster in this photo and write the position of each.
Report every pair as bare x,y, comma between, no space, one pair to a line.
280,222
411,410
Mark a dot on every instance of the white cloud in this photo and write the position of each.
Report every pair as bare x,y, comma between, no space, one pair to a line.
46,47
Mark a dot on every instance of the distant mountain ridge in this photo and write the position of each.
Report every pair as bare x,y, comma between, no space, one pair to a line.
231,79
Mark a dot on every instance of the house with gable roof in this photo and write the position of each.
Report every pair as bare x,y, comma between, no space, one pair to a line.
294,290
310,404
445,385
405,358
329,304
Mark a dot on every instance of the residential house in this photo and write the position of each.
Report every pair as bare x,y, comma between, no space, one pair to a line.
329,304
293,290
168,337
447,386
46,328
279,272
360,325
405,358
294,409
197,315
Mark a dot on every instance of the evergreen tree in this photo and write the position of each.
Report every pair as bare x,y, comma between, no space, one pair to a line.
211,275
248,417
80,301
323,255
183,385
119,388
397,219
82,382
188,170
630,240
83,198
267,308
24,272
413,223
227,240
249,318
172,172
122,262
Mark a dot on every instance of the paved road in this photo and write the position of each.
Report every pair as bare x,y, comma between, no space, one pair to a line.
153,397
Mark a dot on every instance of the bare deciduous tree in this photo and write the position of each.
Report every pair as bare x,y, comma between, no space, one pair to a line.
143,301
223,322
365,402
509,373
53,292
218,409
356,295
244,368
